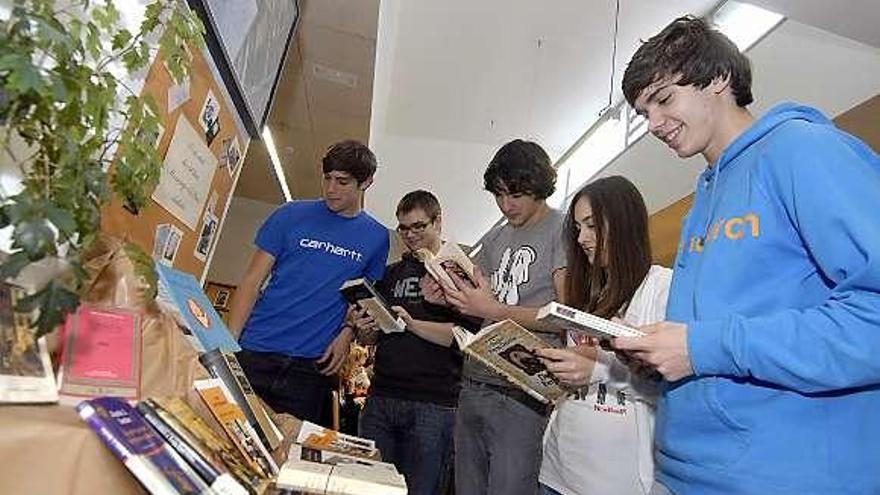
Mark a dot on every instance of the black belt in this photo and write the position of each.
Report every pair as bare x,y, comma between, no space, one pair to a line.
515,394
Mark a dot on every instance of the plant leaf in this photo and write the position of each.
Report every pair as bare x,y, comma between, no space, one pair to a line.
54,302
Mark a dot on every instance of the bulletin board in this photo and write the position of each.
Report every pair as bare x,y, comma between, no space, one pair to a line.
202,148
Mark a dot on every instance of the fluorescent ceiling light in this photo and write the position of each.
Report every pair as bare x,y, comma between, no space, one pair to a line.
276,163
744,23
608,137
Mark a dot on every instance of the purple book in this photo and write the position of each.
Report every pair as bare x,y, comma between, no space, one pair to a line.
140,448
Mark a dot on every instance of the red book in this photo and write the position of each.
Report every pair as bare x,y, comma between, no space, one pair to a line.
102,354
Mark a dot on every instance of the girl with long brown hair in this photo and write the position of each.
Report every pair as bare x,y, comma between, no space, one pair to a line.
600,440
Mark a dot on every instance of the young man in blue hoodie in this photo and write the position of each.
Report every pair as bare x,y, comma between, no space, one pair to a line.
771,351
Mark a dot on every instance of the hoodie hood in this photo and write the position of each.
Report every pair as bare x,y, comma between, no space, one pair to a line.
775,117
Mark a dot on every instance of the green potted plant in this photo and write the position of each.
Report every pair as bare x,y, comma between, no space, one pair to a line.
64,118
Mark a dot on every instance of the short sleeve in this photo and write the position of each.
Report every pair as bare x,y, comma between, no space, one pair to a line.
270,237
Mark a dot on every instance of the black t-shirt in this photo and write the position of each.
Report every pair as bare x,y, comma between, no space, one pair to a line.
407,366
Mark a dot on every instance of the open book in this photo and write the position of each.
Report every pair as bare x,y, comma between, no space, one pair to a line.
562,317
361,292
509,349
450,257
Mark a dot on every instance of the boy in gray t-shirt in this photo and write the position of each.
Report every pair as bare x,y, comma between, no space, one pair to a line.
524,266
519,263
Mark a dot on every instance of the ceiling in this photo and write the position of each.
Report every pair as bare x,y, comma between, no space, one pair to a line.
324,95
441,85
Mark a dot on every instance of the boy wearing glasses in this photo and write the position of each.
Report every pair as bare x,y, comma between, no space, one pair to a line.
293,336
411,409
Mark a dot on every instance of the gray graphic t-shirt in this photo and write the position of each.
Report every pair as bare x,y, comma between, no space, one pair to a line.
519,263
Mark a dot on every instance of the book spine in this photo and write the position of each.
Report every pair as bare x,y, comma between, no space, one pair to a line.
143,470
137,435
181,416
225,366
204,469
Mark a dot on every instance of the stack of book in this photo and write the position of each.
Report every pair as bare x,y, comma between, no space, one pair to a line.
171,450
326,462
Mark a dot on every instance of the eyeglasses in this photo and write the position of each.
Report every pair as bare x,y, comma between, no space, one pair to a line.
415,228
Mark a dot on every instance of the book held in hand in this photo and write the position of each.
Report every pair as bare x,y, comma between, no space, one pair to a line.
509,349
25,367
181,295
361,292
224,365
101,355
562,317
450,258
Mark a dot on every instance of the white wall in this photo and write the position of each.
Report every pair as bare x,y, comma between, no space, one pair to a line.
236,243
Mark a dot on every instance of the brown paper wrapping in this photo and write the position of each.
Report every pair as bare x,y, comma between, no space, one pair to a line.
47,449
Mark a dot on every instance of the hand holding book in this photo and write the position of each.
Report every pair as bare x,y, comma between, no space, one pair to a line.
572,366
474,299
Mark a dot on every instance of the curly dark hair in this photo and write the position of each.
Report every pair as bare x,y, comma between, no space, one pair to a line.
689,47
350,156
521,167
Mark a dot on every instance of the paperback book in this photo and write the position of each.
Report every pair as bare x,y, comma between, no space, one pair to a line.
181,295
26,374
213,473
561,317
361,292
509,349
215,448
225,366
450,258
320,438
144,453
101,354
355,477
223,407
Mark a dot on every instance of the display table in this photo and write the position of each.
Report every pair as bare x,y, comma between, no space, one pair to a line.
49,450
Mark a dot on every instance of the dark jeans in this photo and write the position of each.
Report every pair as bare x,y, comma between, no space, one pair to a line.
415,436
498,443
290,385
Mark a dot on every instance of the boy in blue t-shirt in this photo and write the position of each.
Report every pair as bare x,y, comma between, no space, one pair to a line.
293,335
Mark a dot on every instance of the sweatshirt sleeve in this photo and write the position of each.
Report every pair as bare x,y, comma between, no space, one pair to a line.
829,186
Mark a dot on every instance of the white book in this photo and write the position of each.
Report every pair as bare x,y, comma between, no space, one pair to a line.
339,479
318,437
450,258
562,317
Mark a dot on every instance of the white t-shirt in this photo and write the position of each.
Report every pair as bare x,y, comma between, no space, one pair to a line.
602,442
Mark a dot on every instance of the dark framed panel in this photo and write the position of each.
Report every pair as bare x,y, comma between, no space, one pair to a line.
249,41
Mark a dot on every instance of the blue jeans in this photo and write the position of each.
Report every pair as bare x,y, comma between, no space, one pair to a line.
290,385
498,443
414,436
